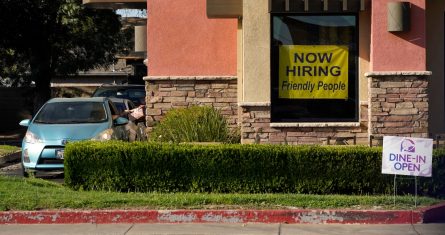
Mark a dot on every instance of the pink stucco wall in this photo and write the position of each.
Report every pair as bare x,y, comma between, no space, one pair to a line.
182,41
399,51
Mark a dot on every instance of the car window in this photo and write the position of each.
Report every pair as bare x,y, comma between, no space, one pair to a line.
71,112
110,92
131,105
120,106
113,109
135,94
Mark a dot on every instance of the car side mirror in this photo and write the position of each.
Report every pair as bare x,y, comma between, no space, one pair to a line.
120,121
25,122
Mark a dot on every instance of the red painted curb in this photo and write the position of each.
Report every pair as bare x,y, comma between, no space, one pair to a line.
212,216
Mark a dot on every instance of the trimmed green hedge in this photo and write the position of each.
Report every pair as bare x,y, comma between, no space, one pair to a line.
141,166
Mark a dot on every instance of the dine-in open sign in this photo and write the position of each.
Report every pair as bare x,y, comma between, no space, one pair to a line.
407,156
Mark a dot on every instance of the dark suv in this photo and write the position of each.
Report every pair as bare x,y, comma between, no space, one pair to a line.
135,93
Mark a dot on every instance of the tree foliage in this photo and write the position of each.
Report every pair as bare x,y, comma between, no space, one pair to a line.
44,38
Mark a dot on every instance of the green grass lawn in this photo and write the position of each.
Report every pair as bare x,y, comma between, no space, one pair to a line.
36,194
6,149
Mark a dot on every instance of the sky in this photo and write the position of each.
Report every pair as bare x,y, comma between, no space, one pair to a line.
132,13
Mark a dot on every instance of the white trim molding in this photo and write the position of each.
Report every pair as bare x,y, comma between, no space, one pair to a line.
254,104
398,73
190,78
315,124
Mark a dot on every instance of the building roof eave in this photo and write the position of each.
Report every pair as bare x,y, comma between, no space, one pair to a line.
116,4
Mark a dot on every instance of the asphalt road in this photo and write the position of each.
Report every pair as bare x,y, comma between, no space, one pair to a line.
15,170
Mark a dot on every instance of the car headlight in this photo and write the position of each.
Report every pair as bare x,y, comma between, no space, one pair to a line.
32,138
104,135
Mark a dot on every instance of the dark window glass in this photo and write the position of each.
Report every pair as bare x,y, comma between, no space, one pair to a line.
134,93
120,106
322,32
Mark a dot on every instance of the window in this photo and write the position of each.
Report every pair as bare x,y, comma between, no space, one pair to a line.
314,68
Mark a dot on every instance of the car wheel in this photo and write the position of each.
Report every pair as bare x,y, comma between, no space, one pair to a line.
25,173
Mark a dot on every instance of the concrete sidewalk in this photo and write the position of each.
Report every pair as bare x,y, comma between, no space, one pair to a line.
213,229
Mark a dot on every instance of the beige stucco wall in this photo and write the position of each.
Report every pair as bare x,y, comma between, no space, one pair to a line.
435,63
239,59
256,51
364,52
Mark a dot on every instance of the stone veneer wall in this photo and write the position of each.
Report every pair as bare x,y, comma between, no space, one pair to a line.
257,128
166,93
398,103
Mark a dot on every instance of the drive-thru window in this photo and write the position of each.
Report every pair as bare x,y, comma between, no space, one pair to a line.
314,68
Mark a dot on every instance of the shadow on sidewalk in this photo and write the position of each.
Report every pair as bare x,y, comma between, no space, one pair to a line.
435,214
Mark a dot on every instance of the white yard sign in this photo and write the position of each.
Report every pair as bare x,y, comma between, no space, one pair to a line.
407,156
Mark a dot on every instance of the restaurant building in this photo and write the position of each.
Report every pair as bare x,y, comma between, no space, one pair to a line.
301,71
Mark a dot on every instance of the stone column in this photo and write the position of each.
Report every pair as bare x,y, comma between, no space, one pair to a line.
398,103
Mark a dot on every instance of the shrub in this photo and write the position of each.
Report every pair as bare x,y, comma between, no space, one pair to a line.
193,124
149,167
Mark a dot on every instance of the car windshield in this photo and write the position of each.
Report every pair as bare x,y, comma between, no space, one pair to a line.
71,112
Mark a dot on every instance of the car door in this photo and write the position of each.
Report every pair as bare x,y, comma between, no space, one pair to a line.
121,132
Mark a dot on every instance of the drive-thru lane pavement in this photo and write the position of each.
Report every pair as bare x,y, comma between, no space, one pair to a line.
213,229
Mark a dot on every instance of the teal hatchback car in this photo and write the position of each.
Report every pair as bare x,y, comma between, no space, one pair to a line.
62,120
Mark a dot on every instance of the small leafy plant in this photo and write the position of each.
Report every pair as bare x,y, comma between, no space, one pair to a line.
194,124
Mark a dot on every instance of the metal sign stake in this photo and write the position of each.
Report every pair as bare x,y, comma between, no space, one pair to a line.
415,190
395,190
415,193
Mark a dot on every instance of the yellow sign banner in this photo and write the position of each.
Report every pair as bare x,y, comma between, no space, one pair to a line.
313,72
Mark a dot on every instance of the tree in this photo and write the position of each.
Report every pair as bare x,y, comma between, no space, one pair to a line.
44,38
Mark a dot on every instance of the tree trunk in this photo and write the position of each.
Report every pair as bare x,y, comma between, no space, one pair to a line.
41,75
42,93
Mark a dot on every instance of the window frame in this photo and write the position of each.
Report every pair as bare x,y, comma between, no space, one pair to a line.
274,57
